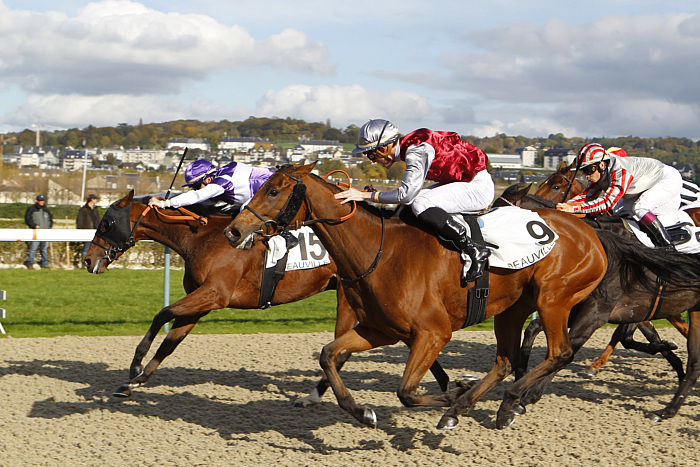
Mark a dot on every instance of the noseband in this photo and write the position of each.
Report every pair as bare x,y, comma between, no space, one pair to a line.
114,229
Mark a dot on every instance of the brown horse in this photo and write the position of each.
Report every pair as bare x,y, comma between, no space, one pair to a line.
562,186
619,300
405,285
216,276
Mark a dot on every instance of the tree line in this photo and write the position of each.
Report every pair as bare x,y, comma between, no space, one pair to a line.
288,131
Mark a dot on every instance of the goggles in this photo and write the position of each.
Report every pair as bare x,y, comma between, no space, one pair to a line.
590,169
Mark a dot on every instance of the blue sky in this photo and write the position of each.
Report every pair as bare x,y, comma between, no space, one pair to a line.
581,68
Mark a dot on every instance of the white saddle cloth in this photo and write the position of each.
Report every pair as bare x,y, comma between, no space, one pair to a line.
309,253
521,235
692,246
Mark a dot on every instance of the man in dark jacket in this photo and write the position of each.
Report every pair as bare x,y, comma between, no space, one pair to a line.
38,216
88,218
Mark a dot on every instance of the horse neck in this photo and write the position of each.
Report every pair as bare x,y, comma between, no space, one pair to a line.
353,244
176,235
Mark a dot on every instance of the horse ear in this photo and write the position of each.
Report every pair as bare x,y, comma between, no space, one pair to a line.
304,169
125,201
563,167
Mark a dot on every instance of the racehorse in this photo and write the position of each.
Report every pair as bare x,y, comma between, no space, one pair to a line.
620,301
405,285
561,186
216,276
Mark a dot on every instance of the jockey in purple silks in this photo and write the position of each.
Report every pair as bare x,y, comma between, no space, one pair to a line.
228,188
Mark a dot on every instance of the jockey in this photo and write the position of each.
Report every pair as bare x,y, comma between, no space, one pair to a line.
636,186
228,188
440,156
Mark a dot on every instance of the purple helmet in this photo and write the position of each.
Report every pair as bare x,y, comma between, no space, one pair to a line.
197,171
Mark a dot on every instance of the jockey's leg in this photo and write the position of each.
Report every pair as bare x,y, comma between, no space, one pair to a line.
452,230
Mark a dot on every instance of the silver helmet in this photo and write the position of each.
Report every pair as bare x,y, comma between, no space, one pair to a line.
375,134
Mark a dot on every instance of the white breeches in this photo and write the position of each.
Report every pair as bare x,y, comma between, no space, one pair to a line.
457,197
662,198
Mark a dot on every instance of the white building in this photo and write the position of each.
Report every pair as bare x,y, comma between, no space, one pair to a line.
553,157
241,144
528,155
190,143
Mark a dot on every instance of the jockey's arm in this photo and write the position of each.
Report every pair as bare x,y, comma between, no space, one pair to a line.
191,197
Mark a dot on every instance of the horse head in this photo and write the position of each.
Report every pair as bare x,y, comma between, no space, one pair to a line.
113,236
556,187
278,203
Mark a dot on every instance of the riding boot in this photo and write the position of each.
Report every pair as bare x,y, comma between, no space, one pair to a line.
659,235
450,229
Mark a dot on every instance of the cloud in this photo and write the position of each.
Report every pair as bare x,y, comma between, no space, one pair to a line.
123,47
344,105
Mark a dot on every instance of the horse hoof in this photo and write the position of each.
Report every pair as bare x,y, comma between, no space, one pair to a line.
505,422
369,418
519,409
122,391
447,423
466,381
671,345
588,372
135,372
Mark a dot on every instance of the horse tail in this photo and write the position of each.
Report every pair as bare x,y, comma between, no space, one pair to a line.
634,261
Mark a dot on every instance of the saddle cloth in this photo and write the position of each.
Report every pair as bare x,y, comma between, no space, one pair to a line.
309,253
673,222
517,237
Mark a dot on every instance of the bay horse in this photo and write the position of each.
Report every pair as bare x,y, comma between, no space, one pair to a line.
625,300
405,285
561,186
216,276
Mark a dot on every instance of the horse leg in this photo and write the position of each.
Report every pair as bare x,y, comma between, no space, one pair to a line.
357,339
187,311
653,336
345,321
655,344
531,332
424,349
593,369
678,323
691,374
507,333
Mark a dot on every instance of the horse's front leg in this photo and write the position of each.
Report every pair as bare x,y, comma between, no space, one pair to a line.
594,367
357,339
507,333
531,332
691,374
187,312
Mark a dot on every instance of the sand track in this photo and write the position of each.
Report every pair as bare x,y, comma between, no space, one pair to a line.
225,400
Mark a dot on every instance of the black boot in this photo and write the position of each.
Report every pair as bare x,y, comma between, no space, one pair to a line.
659,236
452,230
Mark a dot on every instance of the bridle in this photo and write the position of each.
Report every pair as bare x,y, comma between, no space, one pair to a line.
282,221
116,222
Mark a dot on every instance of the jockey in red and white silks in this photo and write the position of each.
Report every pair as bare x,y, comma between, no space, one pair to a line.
633,186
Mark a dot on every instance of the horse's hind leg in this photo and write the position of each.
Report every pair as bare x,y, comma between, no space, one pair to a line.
594,367
531,332
652,336
655,345
691,374
357,339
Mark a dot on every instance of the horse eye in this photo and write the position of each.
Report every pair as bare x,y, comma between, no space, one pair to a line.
273,192
556,187
106,225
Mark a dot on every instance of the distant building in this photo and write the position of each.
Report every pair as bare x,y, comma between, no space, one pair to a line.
528,155
190,143
310,146
505,161
553,157
241,144
687,171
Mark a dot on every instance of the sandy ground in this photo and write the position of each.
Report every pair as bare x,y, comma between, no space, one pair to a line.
225,400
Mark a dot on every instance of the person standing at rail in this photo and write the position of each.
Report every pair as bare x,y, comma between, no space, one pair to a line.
38,216
459,168
88,218
227,188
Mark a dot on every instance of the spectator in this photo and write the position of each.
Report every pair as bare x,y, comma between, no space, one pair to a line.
38,216
88,218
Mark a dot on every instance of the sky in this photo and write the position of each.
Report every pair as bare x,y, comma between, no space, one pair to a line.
533,68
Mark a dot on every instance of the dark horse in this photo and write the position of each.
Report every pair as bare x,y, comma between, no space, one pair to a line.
405,285
216,276
622,299
562,186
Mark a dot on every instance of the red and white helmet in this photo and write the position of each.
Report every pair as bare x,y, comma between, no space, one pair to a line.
592,153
